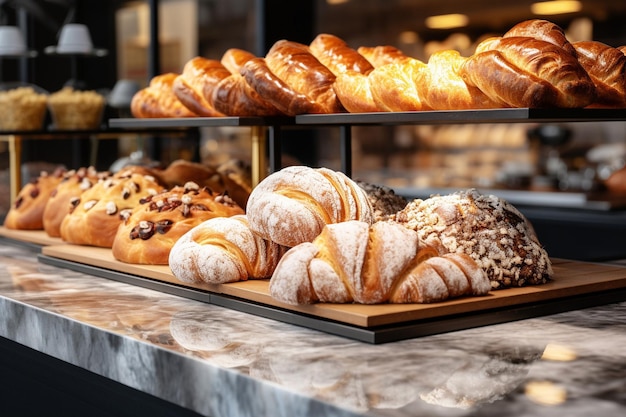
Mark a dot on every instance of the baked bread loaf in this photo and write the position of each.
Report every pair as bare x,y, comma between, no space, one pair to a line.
158,99
148,232
223,250
196,83
528,72
372,264
337,56
485,227
297,67
72,185
442,85
26,212
96,215
607,68
294,204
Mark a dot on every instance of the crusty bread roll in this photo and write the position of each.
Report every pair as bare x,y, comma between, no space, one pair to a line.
196,83
441,85
372,264
26,212
293,205
294,63
337,56
485,227
528,72
607,68
96,215
273,89
73,184
148,232
223,250
158,99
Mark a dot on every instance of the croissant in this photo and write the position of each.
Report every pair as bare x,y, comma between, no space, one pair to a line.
528,72
441,86
607,68
158,99
354,92
293,205
197,82
337,56
296,66
221,250
394,86
234,58
372,264
262,80
233,96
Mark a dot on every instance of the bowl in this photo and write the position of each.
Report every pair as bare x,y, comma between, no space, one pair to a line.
74,39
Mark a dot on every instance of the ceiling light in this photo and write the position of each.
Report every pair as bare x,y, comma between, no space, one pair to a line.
447,21
556,7
331,2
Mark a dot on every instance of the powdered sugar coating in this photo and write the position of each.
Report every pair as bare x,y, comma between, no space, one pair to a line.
488,229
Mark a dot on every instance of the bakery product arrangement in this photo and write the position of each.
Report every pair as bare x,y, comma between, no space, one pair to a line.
532,65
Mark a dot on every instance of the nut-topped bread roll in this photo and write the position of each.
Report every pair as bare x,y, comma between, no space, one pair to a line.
26,212
149,231
223,250
96,215
73,184
294,204
372,264
485,227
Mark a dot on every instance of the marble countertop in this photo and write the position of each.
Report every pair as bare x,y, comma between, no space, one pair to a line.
221,362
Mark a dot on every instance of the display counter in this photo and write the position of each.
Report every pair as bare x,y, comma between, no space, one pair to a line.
173,353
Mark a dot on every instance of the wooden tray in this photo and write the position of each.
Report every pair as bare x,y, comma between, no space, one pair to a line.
34,237
576,285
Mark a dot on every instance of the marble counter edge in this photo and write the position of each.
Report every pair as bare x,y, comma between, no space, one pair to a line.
153,369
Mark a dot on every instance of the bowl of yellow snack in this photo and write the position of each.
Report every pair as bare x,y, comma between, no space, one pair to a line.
76,109
22,107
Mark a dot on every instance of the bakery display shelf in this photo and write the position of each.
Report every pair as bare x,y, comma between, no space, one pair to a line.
576,285
31,239
507,115
154,123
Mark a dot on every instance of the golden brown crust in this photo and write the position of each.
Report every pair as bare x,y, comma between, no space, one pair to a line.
197,82
294,63
180,172
158,99
607,68
354,92
544,30
234,58
73,184
26,212
394,86
233,96
337,56
149,231
99,211
528,72
290,102
382,54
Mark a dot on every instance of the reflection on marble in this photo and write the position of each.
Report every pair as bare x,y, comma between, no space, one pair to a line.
221,362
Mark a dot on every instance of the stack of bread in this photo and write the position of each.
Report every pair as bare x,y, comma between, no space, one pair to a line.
320,236
533,65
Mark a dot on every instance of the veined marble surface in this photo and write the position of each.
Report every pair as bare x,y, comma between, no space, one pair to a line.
220,362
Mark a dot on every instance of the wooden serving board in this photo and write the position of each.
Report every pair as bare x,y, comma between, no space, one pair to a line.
37,237
572,278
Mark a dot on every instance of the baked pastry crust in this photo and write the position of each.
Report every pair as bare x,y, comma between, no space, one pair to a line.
149,231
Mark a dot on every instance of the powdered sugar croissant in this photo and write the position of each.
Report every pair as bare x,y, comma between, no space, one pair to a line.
385,262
